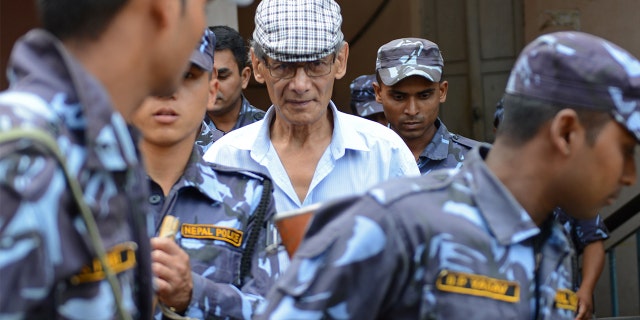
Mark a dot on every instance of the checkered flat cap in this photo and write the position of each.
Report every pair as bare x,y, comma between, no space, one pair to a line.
363,98
298,30
581,70
202,55
406,57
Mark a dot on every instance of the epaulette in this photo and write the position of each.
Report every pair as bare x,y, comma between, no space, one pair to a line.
233,170
462,140
396,189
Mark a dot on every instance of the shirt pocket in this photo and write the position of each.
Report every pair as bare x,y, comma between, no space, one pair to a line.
213,259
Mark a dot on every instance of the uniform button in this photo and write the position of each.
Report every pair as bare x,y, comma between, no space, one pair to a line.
155,199
455,137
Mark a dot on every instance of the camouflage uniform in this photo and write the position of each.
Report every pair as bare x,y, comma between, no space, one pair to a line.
363,97
446,150
46,259
440,246
582,232
216,206
248,115
205,138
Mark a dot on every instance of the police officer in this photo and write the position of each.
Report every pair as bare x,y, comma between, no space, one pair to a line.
587,238
230,109
479,242
217,267
77,82
410,88
363,99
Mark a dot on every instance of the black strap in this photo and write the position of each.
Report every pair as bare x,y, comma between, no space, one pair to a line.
252,240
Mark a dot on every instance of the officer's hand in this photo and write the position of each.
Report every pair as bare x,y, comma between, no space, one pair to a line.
585,304
170,265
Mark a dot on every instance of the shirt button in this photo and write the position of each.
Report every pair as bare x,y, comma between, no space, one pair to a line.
155,199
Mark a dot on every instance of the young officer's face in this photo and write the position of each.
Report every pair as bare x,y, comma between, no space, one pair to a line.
411,105
165,121
603,169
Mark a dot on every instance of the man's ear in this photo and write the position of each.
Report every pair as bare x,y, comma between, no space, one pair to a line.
341,61
566,131
444,88
245,75
378,91
258,66
214,85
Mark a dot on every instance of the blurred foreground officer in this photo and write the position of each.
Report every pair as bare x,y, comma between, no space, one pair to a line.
78,81
363,99
480,242
312,151
217,267
410,88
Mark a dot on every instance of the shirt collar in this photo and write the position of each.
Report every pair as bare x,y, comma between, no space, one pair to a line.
438,147
506,218
78,98
198,174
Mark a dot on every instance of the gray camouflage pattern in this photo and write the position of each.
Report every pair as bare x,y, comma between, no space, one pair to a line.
213,195
44,239
379,256
406,57
579,69
363,98
248,115
445,151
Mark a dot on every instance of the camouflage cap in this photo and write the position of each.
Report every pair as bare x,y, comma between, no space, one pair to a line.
298,30
202,55
580,70
363,98
406,57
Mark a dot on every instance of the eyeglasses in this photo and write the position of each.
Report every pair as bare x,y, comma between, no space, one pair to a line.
287,70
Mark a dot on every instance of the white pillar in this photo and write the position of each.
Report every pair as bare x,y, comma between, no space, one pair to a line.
223,12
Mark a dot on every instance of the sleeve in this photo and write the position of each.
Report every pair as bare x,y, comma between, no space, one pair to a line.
403,163
591,230
214,299
345,269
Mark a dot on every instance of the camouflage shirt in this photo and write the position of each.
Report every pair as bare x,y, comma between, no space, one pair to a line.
453,244
446,150
248,115
47,262
216,206
582,232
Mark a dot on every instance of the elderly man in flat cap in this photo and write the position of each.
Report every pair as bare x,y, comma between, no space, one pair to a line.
312,151
480,242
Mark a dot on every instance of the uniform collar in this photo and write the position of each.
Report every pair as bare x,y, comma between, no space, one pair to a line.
438,147
198,174
505,217
41,64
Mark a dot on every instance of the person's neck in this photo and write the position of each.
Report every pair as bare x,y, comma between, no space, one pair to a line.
226,121
313,135
520,172
165,165
126,92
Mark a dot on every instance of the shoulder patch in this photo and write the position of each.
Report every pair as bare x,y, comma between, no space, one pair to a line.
462,140
566,299
478,285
